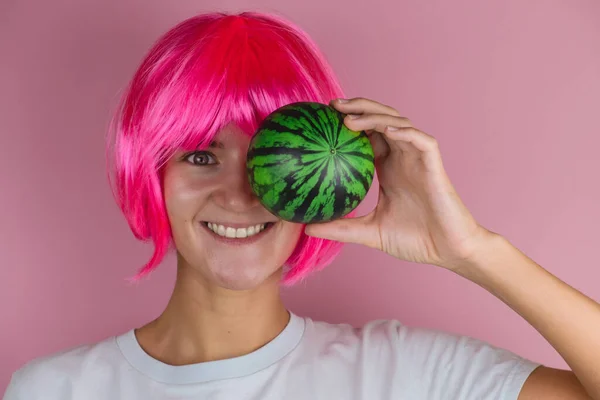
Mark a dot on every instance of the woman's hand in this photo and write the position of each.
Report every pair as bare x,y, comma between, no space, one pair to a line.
419,216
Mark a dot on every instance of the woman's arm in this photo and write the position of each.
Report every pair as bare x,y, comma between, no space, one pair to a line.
569,320
420,218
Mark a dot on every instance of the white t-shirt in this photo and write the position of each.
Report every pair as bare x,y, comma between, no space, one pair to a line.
309,359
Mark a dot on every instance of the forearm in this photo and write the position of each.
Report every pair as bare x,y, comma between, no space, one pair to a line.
569,320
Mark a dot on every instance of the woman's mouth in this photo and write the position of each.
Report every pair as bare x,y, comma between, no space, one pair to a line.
238,233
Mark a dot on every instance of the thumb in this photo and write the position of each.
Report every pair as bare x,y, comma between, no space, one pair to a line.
348,230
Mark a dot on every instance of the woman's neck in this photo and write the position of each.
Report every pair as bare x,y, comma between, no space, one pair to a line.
203,323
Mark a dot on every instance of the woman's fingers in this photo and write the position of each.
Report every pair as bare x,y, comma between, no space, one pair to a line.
360,105
380,123
425,144
399,133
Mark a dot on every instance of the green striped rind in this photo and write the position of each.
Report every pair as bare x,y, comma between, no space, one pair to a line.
306,166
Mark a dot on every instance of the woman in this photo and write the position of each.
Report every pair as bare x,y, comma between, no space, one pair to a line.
180,142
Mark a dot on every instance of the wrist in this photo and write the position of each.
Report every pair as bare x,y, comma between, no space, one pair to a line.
488,249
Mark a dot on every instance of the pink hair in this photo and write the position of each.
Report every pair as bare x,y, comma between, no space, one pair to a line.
207,71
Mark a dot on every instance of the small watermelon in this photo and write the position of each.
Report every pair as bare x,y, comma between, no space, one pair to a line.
306,166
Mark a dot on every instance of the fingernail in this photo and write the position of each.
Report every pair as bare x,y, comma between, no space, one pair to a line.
353,116
392,128
342,100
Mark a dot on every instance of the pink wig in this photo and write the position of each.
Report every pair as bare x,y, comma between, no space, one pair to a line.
204,73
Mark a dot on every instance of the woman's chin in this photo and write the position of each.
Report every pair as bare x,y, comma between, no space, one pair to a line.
245,279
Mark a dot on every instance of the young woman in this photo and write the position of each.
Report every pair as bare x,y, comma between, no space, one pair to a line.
180,142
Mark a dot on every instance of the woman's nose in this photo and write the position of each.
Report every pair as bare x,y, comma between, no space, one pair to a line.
235,193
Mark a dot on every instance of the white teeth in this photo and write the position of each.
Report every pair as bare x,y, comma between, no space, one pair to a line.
241,233
230,232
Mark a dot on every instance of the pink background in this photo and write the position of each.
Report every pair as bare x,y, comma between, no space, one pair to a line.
510,88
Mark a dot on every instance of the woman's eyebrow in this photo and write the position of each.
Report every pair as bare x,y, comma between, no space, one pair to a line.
216,143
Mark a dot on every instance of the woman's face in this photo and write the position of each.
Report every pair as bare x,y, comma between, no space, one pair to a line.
219,227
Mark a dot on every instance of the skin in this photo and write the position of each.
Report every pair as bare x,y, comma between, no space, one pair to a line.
420,218
226,301
226,298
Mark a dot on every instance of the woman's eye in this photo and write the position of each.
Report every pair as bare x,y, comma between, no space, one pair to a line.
201,158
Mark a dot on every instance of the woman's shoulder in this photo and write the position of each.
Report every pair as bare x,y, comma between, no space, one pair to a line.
370,330
417,345
394,335
388,348
371,334
57,369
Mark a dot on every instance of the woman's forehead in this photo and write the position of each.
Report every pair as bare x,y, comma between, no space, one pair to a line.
229,135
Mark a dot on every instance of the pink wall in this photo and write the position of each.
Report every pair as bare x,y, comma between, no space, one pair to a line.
510,88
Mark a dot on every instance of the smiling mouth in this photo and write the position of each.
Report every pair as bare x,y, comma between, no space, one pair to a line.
237,232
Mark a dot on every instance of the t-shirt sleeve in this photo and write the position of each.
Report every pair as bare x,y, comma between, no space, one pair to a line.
449,366
15,389
37,379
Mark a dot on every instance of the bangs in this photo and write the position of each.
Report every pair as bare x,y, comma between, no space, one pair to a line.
240,72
